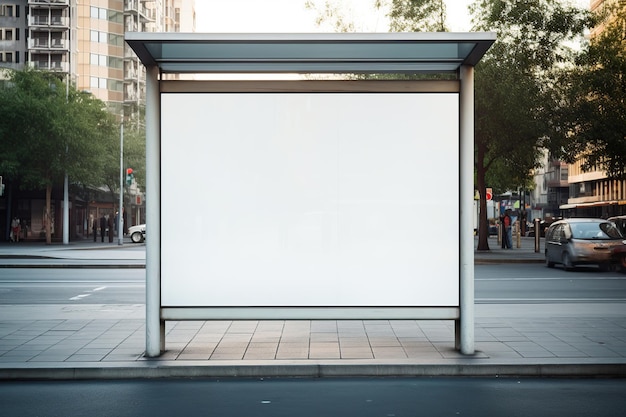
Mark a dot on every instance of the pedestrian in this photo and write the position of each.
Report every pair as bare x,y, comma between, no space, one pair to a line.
502,232
103,227
15,229
125,224
94,227
111,229
506,220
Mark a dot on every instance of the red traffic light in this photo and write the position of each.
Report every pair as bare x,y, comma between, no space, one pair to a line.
129,171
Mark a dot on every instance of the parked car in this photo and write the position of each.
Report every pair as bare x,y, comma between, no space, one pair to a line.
582,241
137,233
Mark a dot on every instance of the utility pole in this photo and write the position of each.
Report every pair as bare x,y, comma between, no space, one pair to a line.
120,215
66,186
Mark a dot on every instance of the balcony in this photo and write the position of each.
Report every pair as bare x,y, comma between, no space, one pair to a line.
49,3
48,21
45,43
137,7
46,65
556,183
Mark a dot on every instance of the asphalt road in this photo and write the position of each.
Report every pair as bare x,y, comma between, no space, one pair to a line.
535,283
503,284
68,286
363,397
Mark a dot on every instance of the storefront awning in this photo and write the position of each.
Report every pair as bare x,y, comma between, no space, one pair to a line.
590,204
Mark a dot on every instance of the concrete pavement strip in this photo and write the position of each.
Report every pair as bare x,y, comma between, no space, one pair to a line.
307,369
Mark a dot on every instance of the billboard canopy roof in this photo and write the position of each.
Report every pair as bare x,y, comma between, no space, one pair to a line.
420,52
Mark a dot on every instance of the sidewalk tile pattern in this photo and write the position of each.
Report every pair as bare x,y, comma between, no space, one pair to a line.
31,341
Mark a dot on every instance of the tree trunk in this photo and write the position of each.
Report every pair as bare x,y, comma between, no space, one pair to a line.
483,226
48,218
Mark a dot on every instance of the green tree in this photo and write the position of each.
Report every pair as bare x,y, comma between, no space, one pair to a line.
513,87
403,15
50,130
134,157
591,103
331,13
415,15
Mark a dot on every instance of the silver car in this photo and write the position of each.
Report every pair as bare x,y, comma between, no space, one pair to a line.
581,241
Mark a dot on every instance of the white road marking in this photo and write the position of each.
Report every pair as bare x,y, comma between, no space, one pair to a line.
79,297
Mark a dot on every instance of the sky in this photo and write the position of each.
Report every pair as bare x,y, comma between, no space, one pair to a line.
291,15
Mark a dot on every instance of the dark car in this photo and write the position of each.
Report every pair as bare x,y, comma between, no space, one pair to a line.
583,241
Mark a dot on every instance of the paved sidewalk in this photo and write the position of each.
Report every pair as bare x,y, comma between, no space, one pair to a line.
77,341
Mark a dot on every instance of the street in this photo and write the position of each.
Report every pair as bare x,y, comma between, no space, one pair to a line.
516,293
68,286
535,283
432,397
500,284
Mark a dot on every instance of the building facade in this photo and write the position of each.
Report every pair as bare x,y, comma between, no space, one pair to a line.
83,41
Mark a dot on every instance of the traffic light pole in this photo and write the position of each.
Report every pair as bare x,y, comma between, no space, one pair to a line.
120,214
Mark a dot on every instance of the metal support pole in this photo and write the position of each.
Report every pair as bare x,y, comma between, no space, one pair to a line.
466,196
120,214
66,186
537,235
153,214
66,211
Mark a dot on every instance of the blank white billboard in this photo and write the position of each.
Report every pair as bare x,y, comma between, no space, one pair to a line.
309,199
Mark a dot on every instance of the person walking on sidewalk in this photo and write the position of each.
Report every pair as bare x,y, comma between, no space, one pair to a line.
508,237
15,229
111,228
103,227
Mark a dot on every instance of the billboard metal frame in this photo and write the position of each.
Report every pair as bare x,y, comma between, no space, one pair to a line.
455,53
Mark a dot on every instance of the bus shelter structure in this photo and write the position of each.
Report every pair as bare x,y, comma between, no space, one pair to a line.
308,195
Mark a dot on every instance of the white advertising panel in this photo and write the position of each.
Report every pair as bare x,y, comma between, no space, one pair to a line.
309,199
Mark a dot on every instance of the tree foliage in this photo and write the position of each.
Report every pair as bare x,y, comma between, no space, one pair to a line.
403,15
513,84
331,13
415,15
134,154
49,130
590,113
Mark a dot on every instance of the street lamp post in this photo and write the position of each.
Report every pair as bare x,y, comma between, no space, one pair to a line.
66,187
120,216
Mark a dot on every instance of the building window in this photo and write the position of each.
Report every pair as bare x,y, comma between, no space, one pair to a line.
7,10
106,61
6,56
115,40
106,14
105,83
